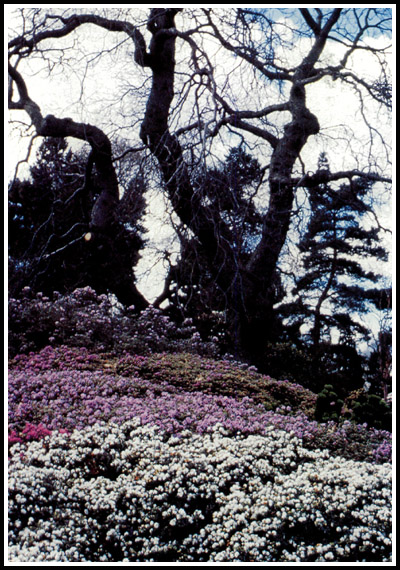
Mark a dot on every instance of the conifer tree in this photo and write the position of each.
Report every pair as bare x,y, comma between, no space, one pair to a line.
192,288
336,285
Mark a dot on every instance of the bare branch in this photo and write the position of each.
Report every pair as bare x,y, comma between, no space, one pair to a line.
72,23
316,27
325,176
250,58
103,214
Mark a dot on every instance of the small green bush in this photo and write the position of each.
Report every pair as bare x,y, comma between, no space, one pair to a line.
359,407
372,410
328,405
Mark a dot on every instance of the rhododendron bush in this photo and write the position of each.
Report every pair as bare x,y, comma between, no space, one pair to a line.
129,492
64,388
118,454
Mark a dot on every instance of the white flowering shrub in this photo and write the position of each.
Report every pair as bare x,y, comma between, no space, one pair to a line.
126,492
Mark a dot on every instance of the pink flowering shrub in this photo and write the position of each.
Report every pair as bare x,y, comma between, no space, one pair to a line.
85,319
31,432
65,388
57,358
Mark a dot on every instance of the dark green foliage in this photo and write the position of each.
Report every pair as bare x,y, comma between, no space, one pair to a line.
230,191
379,369
342,365
336,287
49,215
329,405
372,410
285,361
360,407
192,288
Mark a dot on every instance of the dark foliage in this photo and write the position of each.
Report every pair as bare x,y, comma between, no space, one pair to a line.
51,247
193,289
335,285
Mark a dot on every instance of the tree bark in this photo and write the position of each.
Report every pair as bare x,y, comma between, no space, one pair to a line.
166,148
249,289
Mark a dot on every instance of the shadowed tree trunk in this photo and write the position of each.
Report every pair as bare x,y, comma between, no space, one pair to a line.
252,296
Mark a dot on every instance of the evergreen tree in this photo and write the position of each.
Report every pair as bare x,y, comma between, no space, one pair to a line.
49,239
192,288
335,287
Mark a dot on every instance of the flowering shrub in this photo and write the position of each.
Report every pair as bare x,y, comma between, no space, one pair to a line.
118,493
58,358
178,457
127,442
77,399
65,388
86,319
349,440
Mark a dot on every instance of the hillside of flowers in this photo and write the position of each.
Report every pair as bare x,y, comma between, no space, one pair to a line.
133,440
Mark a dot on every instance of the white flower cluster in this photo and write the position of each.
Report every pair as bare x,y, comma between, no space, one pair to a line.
128,492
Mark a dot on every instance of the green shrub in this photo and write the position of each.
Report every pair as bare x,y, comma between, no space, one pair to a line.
372,410
328,405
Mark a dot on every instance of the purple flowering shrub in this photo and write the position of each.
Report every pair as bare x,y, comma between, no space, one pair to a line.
129,441
58,358
85,319
106,364
66,388
347,439
188,372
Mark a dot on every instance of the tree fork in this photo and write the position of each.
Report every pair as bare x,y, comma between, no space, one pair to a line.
166,148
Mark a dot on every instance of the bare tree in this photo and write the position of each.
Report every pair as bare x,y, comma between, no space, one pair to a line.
197,101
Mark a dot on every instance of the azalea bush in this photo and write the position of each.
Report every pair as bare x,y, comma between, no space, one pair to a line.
223,376
86,319
134,493
67,388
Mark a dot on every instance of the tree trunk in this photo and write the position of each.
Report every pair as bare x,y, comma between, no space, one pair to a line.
249,290
257,322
